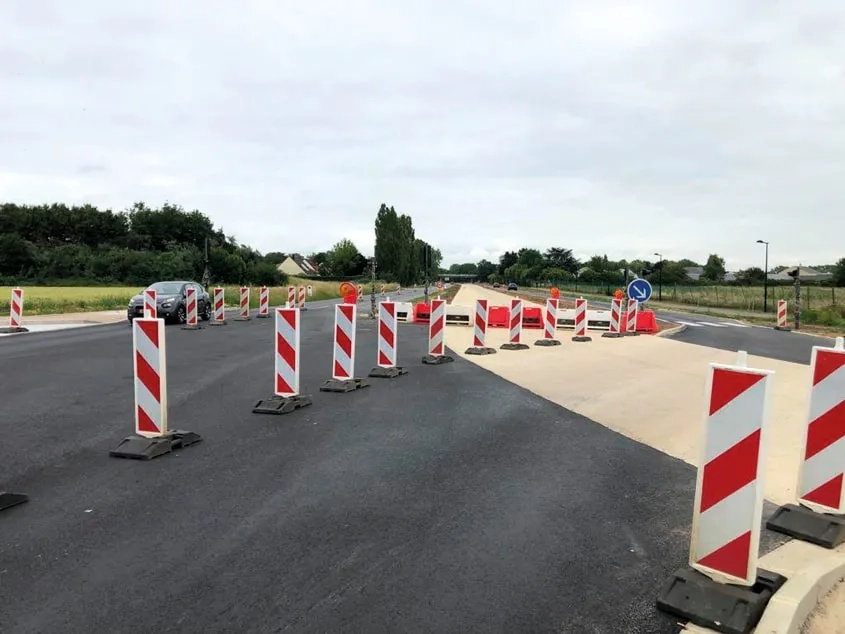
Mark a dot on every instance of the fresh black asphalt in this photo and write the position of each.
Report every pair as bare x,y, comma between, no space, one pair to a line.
447,500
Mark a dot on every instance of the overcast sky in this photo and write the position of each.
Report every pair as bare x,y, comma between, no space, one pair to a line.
613,127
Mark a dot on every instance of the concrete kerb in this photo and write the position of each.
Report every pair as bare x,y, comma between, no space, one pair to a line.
671,332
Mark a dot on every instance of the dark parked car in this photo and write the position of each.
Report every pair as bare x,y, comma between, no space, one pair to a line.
513,287
170,300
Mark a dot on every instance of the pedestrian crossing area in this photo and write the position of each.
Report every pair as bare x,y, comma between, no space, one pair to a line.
711,324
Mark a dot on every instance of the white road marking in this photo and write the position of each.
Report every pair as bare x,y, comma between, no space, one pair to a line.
688,323
710,323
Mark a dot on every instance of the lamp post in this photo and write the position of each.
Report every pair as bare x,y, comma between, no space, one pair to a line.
765,278
660,278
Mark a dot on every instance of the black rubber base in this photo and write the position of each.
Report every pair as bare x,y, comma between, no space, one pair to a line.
240,318
437,359
196,327
282,404
783,328
827,531
387,373
631,334
10,331
217,323
612,335
547,342
514,346
339,385
261,316
581,339
480,351
302,309
141,448
8,500
726,608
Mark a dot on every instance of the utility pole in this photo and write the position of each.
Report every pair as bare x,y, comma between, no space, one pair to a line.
766,277
797,300
426,260
373,288
206,274
660,277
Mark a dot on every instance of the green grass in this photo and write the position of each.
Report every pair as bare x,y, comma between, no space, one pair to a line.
48,300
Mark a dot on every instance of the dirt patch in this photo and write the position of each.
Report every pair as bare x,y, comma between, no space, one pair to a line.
829,616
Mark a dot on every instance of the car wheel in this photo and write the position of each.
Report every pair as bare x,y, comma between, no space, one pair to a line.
181,317
206,311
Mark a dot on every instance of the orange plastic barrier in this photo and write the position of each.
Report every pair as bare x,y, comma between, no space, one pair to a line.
532,317
498,316
646,321
422,313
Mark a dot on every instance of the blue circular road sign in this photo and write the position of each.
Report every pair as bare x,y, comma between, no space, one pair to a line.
640,290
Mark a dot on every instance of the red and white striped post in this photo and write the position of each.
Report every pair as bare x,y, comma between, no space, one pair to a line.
782,308
386,367
615,319
343,358
150,304
291,297
581,321
148,346
729,487
631,317
302,298
515,328
263,303
549,324
436,334
286,396
360,290
243,305
191,310
822,469
219,304
15,313
479,333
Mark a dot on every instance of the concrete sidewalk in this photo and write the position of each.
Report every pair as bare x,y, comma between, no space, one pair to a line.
93,317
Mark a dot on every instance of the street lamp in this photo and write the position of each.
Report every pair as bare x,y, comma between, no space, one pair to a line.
660,278
765,278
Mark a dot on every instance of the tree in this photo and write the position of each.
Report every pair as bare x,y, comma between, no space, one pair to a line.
714,269
389,241
839,273
484,269
751,276
506,260
342,258
468,268
559,258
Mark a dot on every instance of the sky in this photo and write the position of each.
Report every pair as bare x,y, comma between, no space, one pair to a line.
613,127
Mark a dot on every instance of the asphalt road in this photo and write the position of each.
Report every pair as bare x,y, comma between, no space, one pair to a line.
446,500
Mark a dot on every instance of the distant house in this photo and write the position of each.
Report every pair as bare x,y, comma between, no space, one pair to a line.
295,264
805,273
695,273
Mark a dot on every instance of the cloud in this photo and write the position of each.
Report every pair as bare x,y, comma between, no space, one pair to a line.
607,127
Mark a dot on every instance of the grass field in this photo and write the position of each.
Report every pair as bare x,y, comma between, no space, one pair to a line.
48,300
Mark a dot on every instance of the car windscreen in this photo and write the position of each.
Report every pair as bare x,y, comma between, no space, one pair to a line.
165,288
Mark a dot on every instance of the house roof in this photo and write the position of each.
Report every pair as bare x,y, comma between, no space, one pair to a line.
305,264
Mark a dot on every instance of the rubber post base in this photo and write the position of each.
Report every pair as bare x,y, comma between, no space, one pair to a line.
581,339
722,607
547,342
192,327
142,448
478,350
343,385
282,404
217,323
437,359
302,309
8,500
783,328
8,330
514,346
631,334
262,316
827,531
387,373
612,335
242,318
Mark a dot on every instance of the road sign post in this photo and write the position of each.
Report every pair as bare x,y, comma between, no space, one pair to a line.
640,290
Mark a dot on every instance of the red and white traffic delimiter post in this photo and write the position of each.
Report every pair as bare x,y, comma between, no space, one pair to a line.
728,504
191,311
152,437
286,396
150,304
302,298
436,334
782,308
631,317
343,358
549,324
243,305
479,333
615,319
515,328
291,303
386,352
820,518
219,304
263,303
581,321
15,313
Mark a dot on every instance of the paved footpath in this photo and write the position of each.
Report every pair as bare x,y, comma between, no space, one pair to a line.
447,500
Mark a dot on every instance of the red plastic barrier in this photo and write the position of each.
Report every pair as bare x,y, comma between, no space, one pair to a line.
422,313
498,316
646,322
532,317
351,298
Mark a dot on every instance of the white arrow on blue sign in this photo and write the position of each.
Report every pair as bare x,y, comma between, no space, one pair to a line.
640,290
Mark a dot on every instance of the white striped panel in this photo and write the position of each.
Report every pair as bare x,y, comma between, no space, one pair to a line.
147,349
147,402
823,467
550,318
735,421
290,335
479,334
829,392
516,311
720,524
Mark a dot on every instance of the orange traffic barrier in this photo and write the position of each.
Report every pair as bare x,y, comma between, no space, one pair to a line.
498,317
532,317
422,313
646,321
